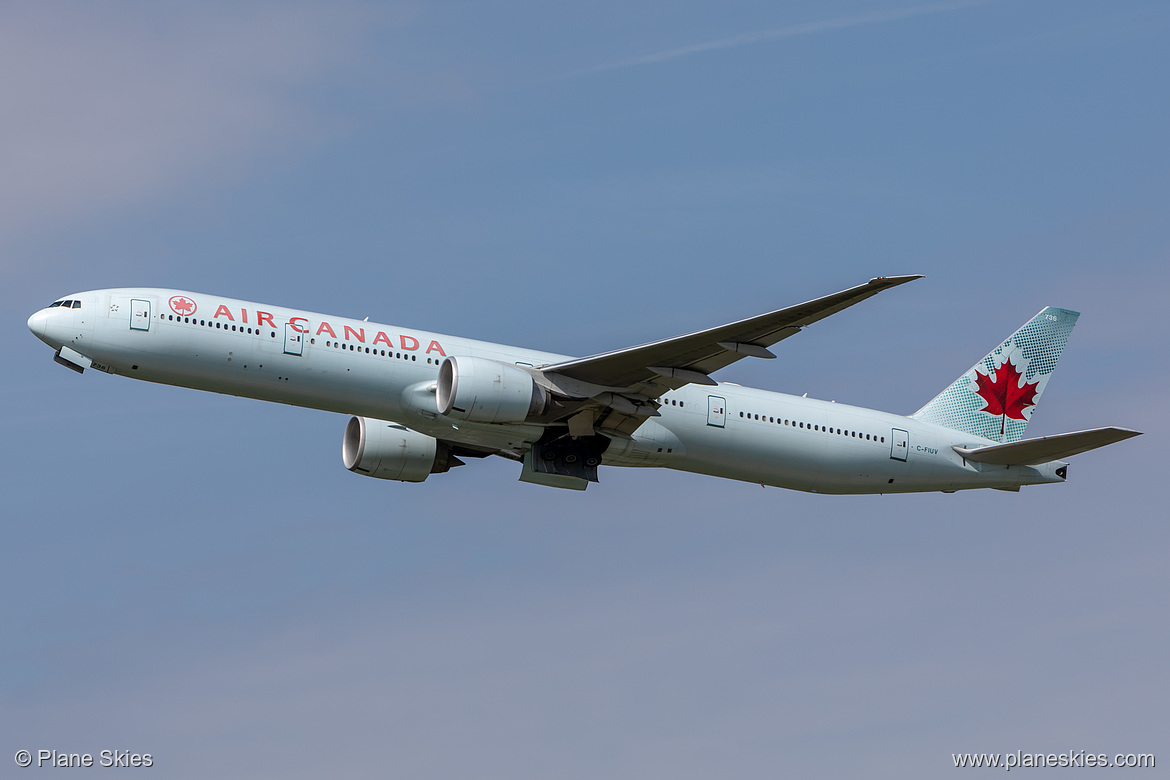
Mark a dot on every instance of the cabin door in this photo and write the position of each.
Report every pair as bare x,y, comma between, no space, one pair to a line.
139,314
716,411
294,340
899,444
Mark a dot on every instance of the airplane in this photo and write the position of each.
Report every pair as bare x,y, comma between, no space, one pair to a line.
421,402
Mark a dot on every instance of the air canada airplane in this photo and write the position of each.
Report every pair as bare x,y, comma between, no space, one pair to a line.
421,402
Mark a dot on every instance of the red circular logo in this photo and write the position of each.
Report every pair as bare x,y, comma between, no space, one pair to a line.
182,305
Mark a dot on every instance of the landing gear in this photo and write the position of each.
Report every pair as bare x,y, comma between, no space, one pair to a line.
558,453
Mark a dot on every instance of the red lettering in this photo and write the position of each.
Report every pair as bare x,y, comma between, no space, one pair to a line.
261,316
292,321
324,326
434,347
382,337
359,334
244,314
412,339
224,311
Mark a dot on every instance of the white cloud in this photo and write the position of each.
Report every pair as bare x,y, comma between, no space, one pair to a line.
109,105
788,31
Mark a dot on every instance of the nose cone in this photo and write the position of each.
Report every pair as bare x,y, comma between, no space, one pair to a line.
37,323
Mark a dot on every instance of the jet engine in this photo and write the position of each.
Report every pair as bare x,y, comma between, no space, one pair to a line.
487,391
386,450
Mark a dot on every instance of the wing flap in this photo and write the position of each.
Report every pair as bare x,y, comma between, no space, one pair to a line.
1031,452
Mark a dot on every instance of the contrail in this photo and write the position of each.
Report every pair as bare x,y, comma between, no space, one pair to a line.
791,31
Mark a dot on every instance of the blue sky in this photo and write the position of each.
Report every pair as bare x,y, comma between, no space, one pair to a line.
197,576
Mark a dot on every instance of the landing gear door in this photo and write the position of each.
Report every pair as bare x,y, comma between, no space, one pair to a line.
294,340
139,314
899,444
716,411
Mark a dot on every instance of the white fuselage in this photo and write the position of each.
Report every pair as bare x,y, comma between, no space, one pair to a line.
380,371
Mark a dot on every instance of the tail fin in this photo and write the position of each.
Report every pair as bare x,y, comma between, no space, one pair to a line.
996,397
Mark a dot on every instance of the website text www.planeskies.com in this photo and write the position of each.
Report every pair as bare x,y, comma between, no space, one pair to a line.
1070,758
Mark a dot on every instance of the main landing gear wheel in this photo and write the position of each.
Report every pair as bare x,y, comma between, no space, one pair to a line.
559,453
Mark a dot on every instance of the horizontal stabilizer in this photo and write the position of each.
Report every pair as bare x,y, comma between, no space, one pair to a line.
1049,448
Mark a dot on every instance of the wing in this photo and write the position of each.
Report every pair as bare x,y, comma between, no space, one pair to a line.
624,384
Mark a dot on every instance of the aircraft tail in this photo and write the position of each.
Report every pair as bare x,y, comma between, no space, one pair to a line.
996,397
1032,452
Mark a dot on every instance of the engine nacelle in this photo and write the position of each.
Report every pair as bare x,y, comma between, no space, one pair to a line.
487,391
385,450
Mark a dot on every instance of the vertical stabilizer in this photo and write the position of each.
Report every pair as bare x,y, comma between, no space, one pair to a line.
996,397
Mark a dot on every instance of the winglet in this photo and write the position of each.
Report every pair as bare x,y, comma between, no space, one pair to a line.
897,279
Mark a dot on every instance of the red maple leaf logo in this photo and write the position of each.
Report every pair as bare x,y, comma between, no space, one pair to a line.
181,305
1005,395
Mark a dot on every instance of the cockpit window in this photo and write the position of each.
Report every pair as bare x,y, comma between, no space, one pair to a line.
77,304
55,303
